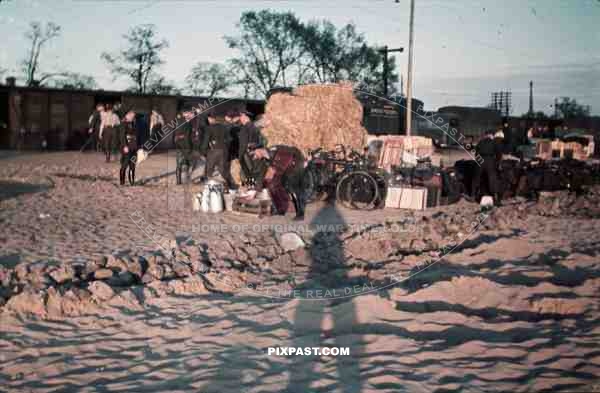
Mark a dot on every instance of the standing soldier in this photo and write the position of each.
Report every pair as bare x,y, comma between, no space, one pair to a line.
182,137
198,126
249,139
118,110
128,146
156,123
490,151
215,146
94,131
108,131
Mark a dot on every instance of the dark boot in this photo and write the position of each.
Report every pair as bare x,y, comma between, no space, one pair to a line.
108,156
122,175
298,206
132,175
497,200
178,175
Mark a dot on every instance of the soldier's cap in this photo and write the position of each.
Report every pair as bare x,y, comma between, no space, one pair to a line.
129,109
247,113
187,108
232,113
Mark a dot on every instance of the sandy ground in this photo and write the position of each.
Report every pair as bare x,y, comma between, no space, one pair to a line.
514,306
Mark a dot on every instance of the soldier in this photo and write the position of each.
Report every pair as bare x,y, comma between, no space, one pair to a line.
156,122
182,137
490,151
94,131
128,146
284,176
108,131
118,110
215,146
198,127
249,139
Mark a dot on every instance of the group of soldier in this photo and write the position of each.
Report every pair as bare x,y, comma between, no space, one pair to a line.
217,142
278,168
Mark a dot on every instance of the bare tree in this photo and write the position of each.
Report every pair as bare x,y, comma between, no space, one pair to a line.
140,60
209,79
38,36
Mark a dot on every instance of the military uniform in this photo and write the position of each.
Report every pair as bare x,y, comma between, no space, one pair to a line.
198,125
215,146
95,122
128,146
286,167
490,151
182,138
249,138
109,133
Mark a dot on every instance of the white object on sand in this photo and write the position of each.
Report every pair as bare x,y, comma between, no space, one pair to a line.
486,202
290,241
141,156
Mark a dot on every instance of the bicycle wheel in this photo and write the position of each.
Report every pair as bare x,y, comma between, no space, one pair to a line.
358,190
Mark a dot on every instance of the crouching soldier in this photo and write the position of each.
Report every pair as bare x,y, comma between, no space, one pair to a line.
128,147
182,138
283,177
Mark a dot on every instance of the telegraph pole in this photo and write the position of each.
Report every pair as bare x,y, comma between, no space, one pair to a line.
410,62
386,69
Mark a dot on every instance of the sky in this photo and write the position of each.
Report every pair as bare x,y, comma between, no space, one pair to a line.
463,50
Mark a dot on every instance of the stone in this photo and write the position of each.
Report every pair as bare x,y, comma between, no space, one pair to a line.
155,271
123,279
137,267
100,291
28,302
181,269
290,241
102,274
63,274
5,276
116,264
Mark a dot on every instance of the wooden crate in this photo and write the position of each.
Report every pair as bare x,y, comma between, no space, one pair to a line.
255,207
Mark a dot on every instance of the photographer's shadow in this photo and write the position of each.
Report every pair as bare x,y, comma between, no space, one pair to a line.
314,323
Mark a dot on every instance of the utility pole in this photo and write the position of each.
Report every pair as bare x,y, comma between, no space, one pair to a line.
410,62
530,98
386,69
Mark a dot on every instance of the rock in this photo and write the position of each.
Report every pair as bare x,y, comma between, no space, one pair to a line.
137,267
88,269
21,272
157,272
181,269
123,279
102,274
28,302
5,276
101,291
193,285
63,274
116,264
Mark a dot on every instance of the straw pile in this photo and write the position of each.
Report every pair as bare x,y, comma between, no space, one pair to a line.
315,116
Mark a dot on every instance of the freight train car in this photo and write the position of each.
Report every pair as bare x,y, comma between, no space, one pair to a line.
30,115
383,116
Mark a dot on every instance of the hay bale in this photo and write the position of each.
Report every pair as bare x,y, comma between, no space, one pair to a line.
315,116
